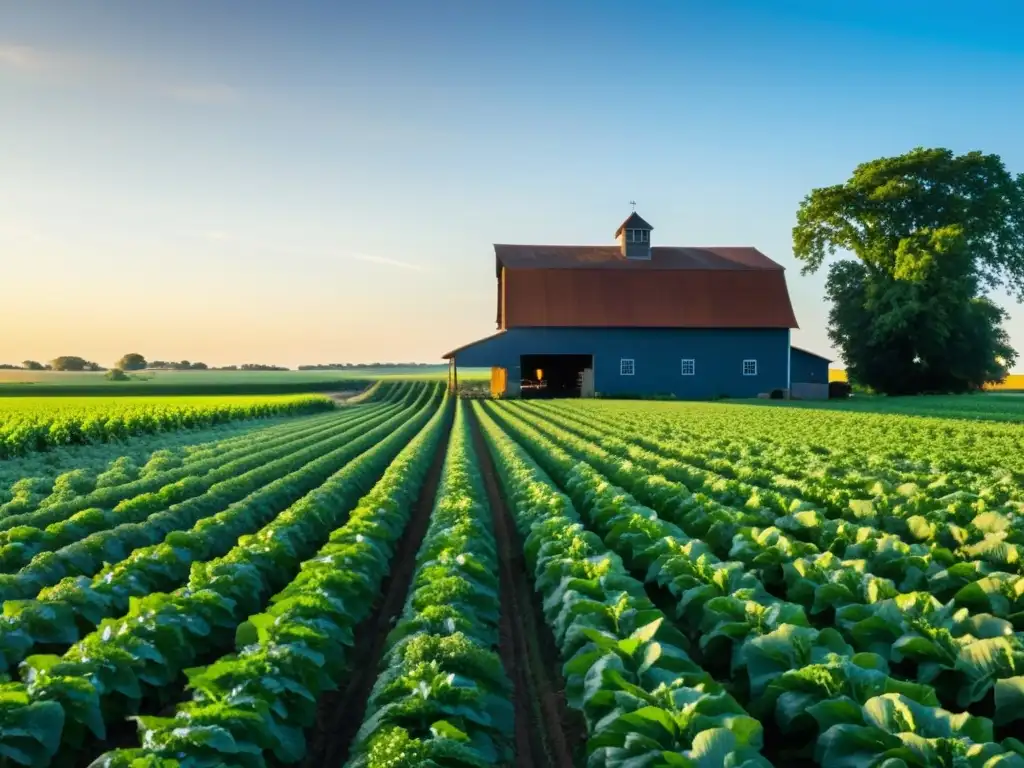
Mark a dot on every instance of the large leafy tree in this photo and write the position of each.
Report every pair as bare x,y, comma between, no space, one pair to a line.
931,233
133,361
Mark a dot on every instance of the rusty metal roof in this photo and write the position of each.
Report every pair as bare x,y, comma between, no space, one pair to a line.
610,257
644,298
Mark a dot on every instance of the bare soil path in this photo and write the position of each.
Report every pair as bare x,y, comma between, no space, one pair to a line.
341,398
340,713
547,733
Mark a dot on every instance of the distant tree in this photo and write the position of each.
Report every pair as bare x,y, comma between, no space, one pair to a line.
69,363
10,367
199,366
116,374
32,365
133,361
91,366
931,232
360,366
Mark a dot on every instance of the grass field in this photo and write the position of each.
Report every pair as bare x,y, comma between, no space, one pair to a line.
412,581
18,382
36,423
1013,383
994,406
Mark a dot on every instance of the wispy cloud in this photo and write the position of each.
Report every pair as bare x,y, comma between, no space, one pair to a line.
66,68
22,57
216,94
386,261
226,238
30,60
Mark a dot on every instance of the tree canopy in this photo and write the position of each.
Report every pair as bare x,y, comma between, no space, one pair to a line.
133,361
931,233
74,363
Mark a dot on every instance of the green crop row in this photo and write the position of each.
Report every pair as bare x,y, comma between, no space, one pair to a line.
875,596
34,503
250,705
948,547
147,519
733,616
35,427
157,554
66,701
645,701
839,482
882,438
442,697
61,524
50,477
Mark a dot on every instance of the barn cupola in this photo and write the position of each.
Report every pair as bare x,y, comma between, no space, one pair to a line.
634,236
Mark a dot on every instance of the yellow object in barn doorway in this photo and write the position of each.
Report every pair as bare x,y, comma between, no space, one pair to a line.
499,380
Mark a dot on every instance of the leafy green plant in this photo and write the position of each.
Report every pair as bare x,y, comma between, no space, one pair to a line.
645,700
135,658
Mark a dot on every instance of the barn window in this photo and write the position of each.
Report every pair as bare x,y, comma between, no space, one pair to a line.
750,367
626,367
689,367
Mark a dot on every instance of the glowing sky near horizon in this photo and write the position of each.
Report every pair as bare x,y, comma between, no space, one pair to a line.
319,182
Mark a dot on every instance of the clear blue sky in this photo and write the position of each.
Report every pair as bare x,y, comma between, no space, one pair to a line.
310,182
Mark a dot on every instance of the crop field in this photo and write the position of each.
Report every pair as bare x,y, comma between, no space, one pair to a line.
414,580
33,424
21,383
992,406
1013,382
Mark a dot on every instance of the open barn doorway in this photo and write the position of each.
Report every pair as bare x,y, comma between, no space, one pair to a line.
557,375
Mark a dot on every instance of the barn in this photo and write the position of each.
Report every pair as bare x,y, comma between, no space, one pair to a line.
637,320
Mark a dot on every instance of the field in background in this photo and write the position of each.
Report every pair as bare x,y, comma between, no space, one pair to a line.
47,383
1013,383
991,406
30,424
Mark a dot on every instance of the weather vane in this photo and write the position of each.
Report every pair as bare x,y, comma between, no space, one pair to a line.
633,203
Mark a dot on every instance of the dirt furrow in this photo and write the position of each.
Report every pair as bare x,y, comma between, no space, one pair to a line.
340,713
547,733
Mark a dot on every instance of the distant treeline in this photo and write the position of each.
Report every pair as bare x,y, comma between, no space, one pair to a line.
193,385
185,365
252,367
62,363
362,366
133,361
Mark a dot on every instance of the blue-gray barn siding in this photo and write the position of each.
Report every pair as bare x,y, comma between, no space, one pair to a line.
658,355
807,368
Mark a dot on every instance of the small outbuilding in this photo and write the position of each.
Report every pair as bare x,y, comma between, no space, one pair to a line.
633,319
808,374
